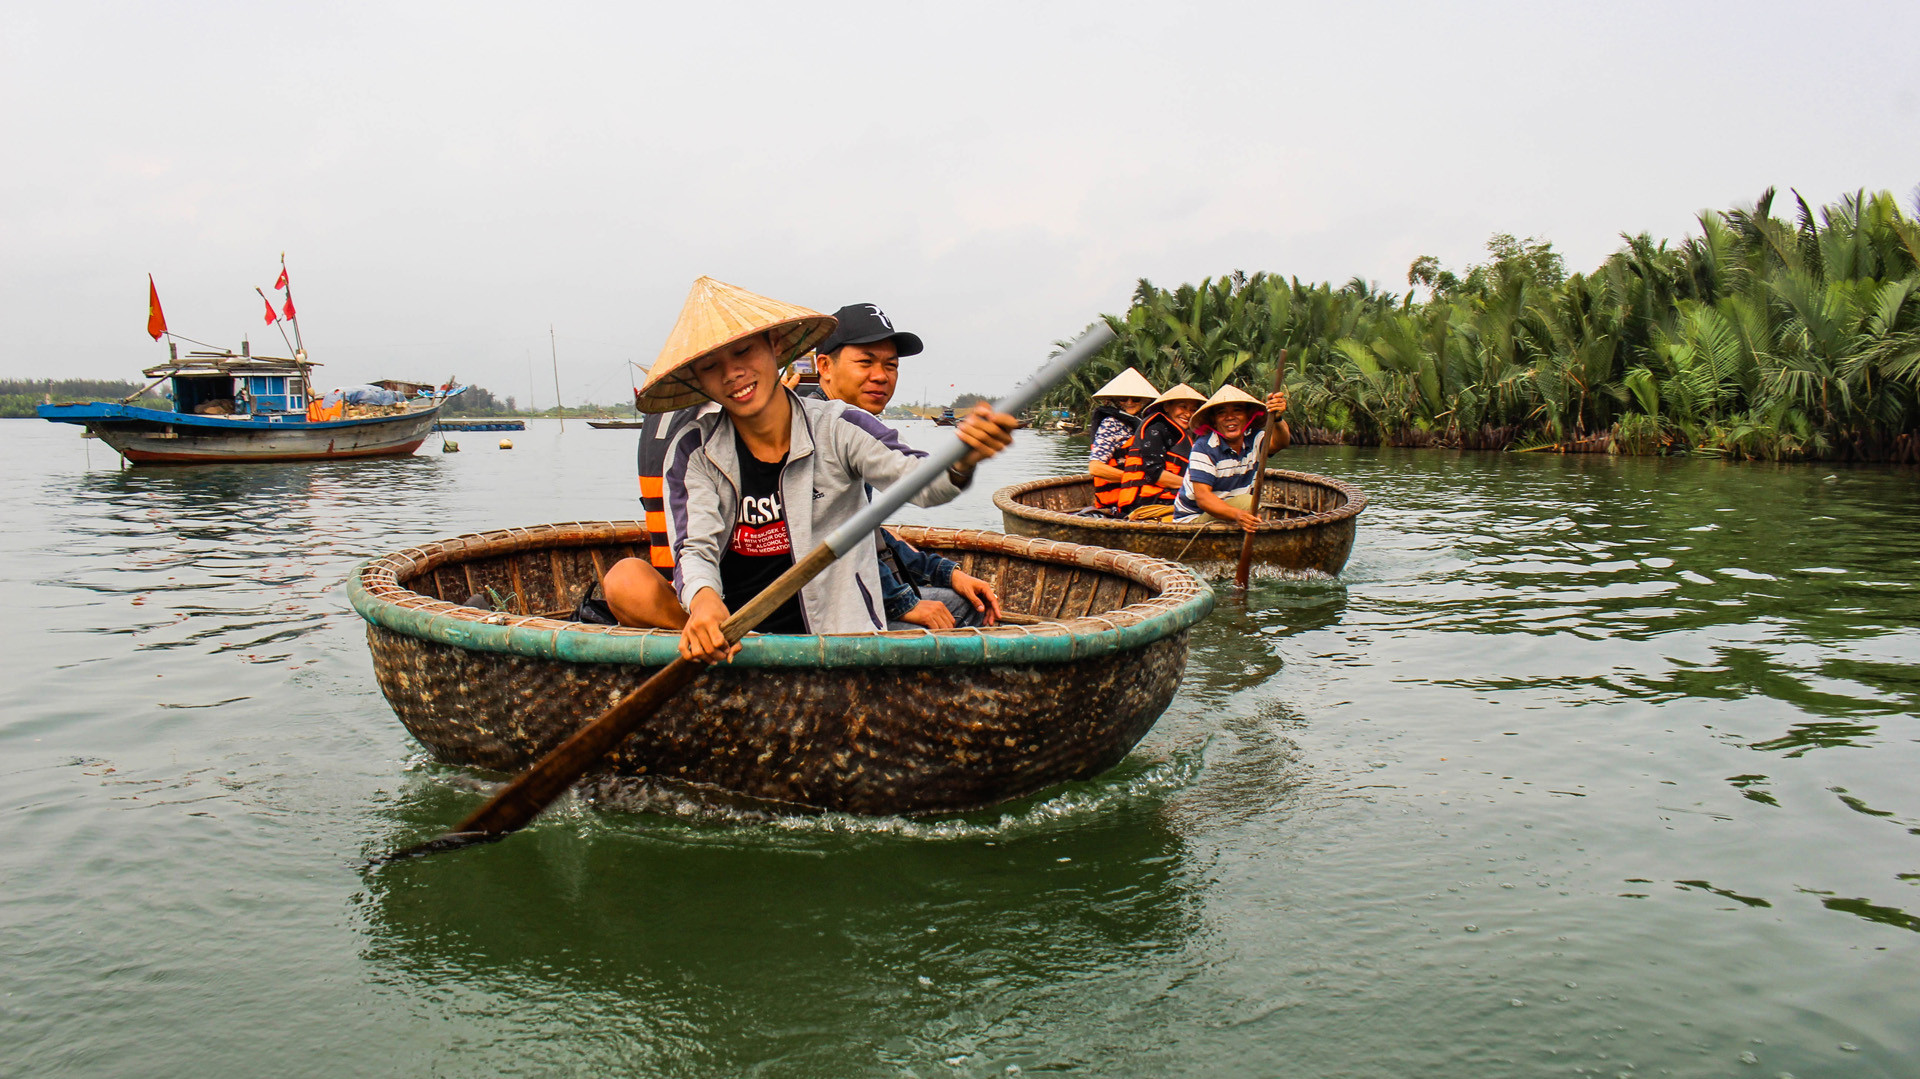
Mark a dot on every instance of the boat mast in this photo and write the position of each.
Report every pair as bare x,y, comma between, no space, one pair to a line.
293,313
276,321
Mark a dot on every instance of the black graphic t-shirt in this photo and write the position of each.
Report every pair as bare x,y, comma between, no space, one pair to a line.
761,548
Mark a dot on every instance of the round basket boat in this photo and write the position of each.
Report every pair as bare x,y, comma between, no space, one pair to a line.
1310,523
873,723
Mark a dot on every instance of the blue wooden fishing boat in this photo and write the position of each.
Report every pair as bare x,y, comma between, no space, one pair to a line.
239,407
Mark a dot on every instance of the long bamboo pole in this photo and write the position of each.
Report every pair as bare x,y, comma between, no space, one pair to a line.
555,346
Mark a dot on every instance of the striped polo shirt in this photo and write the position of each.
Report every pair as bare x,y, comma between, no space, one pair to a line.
1214,463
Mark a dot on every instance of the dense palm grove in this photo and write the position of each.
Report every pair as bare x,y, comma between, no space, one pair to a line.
1761,337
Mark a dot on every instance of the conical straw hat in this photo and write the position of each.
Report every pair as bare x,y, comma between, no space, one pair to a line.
1182,392
717,314
1128,383
1229,395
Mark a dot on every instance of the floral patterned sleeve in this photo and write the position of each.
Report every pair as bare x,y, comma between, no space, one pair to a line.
1106,440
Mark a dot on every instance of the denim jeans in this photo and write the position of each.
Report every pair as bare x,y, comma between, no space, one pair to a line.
964,613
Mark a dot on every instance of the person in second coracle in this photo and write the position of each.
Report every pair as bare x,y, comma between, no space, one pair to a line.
1226,455
860,364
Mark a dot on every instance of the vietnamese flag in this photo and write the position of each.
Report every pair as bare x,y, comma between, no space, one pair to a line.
288,309
270,315
156,318
282,283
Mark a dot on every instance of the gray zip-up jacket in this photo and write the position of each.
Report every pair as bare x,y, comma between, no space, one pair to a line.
836,450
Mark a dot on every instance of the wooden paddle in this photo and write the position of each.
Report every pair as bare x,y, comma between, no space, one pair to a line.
1260,476
533,790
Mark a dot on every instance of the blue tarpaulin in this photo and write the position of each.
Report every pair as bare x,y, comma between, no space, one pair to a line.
362,395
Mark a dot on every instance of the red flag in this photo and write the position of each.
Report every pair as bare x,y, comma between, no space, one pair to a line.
282,283
156,318
288,309
270,315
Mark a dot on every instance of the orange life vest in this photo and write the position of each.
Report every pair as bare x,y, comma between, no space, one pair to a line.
1135,489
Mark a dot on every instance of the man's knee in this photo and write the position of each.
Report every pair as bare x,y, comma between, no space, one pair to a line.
631,577
639,596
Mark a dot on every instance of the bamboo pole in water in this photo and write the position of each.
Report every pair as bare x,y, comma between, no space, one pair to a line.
552,343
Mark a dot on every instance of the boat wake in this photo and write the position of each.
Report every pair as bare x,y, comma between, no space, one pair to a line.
697,814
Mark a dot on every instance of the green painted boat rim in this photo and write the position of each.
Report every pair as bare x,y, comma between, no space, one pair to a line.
1182,598
1007,500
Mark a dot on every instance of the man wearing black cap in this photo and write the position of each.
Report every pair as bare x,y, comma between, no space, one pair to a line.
859,363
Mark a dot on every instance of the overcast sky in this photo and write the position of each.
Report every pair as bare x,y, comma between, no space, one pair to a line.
448,180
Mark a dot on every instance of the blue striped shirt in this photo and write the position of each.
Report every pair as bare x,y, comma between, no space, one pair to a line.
1214,463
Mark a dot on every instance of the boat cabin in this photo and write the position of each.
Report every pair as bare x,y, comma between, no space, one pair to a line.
226,384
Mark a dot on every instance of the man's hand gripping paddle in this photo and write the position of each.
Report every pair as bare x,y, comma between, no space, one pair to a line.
521,800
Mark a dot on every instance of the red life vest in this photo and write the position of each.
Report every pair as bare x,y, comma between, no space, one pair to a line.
1136,488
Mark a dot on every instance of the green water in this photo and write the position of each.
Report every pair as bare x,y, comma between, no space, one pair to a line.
1583,767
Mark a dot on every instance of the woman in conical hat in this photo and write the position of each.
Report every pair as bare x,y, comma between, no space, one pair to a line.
763,479
1226,455
1115,420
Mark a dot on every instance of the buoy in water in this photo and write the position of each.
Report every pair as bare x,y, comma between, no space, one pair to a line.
506,443
449,447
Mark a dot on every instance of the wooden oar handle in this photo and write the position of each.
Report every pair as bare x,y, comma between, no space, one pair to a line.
536,788
533,790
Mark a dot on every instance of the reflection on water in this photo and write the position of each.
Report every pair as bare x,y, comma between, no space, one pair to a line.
1583,763
640,944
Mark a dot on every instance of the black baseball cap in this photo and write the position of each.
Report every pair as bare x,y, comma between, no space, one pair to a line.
863,324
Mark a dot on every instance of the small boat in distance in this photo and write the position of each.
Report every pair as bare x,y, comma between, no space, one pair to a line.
638,421
946,419
239,407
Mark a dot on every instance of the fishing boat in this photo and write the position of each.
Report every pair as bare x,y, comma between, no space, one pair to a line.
616,425
945,419
1309,523
231,406
917,722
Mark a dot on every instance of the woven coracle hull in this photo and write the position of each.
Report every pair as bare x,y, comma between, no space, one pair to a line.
876,723
1311,521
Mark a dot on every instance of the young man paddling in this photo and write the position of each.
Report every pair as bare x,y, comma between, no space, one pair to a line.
761,482
860,365
1226,455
